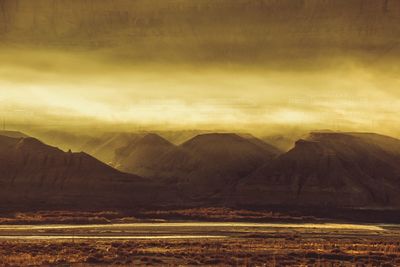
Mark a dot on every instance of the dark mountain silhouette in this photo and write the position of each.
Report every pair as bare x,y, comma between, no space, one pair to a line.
222,151
32,173
206,165
145,155
325,169
152,156
218,161
148,154
330,169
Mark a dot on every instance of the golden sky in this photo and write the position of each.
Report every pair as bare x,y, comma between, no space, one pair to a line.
242,64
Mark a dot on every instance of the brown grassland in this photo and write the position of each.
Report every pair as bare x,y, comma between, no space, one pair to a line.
108,217
276,249
109,245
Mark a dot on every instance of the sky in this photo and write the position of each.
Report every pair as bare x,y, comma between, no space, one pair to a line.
257,65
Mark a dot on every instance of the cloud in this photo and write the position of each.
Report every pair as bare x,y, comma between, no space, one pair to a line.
275,34
346,97
230,64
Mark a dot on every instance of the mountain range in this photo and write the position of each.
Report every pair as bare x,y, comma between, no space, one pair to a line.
202,166
35,174
330,169
324,169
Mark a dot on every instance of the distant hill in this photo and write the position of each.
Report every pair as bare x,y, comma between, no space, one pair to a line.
178,137
64,140
218,161
323,170
105,146
284,142
144,155
330,169
101,146
36,174
222,151
206,165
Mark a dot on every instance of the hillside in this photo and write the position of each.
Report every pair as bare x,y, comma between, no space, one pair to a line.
330,169
143,156
206,165
36,174
105,147
214,163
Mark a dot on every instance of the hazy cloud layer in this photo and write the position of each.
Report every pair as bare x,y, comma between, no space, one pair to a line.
267,32
235,64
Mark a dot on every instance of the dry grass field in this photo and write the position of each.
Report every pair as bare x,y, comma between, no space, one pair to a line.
284,247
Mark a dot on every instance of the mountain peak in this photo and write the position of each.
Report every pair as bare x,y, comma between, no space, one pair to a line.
213,138
34,145
154,139
362,139
337,168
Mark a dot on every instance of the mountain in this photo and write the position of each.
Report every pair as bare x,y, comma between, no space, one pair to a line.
64,140
206,165
101,146
225,151
214,163
14,134
35,174
264,145
106,146
178,137
144,155
323,170
330,169
286,141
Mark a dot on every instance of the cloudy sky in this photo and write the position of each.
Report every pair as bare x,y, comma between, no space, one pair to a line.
252,64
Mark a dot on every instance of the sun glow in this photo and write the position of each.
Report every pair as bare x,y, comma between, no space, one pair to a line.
193,97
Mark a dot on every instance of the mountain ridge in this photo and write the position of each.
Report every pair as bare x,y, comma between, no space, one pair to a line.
324,169
32,172
342,169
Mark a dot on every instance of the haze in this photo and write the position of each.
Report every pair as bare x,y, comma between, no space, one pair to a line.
235,65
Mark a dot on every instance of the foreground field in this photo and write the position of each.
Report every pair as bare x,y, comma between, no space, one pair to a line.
201,244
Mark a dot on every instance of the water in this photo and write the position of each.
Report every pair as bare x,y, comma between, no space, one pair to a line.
200,224
175,230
